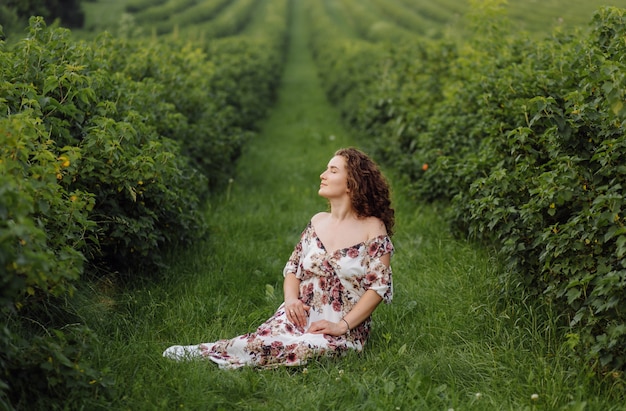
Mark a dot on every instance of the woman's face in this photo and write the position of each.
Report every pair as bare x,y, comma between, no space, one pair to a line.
334,182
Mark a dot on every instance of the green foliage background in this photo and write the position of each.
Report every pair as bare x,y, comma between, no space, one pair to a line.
14,14
111,147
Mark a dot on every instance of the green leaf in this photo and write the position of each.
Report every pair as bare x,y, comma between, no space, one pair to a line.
621,246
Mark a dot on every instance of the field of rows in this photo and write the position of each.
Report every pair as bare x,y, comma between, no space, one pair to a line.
117,140
422,17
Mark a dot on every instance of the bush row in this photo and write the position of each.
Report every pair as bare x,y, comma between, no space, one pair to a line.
108,150
233,20
200,12
366,21
404,16
210,18
525,139
160,11
134,6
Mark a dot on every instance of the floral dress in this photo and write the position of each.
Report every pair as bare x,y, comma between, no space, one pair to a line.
331,283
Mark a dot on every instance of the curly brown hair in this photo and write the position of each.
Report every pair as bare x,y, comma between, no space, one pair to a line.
368,187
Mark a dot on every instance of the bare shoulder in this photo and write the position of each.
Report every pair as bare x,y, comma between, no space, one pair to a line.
319,217
375,227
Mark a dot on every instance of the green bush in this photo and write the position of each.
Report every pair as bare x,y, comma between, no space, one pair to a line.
49,369
146,194
69,12
108,150
43,226
551,195
43,229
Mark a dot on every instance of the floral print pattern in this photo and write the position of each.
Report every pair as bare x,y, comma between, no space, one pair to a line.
332,282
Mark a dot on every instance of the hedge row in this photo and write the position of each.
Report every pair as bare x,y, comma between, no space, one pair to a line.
108,151
525,139
366,21
210,18
134,6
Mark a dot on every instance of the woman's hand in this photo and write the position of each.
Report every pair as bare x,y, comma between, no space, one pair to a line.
328,327
297,312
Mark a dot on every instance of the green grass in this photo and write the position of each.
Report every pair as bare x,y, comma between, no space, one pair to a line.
448,340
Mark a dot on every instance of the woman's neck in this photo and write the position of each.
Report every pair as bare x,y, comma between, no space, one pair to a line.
342,211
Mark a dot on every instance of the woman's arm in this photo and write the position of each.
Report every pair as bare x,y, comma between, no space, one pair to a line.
296,310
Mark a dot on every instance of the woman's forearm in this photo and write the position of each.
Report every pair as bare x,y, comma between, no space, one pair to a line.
363,309
295,310
291,287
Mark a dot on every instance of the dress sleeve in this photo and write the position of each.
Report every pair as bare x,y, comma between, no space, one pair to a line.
379,275
294,264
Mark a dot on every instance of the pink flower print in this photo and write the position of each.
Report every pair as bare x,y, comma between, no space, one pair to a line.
327,267
307,293
324,298
373,248
336,305
353,252
276,348
322,283
292,358
371,277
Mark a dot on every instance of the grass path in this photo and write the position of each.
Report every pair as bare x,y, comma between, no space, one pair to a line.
444,343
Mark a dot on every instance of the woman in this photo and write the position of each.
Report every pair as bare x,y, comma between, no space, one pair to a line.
335,278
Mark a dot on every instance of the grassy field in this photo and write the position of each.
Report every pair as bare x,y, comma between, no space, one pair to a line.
448,341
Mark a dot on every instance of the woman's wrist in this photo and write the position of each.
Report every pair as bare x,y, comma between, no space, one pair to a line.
347,326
